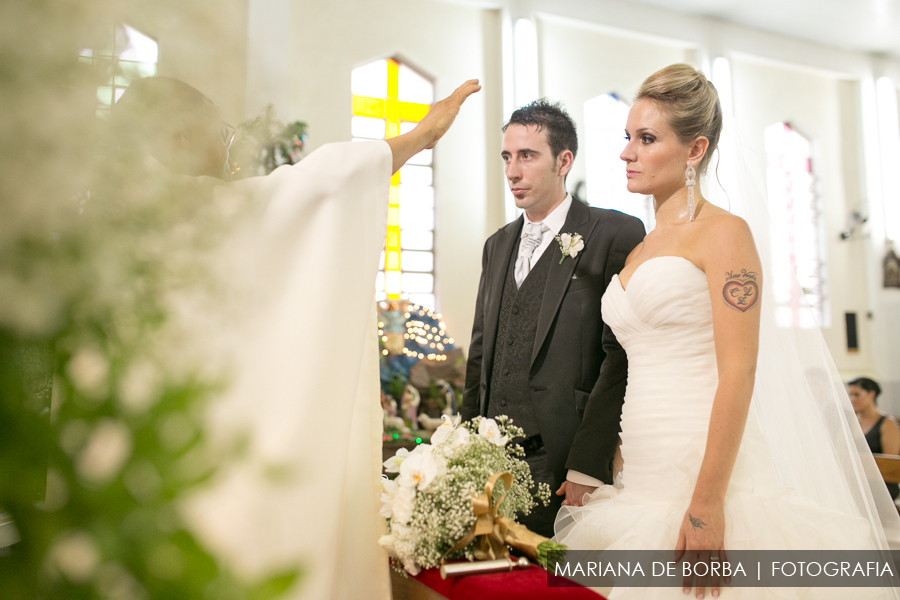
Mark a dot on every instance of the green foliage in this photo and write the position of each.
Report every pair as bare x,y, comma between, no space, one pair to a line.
434,391
274,587
550,553
92,249
264,143
396,386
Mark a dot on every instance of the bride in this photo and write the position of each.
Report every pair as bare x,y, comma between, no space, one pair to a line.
720,451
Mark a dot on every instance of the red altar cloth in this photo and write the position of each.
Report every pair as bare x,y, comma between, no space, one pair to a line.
518,584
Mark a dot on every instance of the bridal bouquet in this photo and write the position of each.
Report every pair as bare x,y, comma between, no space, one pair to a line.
429,503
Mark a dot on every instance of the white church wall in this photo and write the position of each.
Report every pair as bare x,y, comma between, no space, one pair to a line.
766,93
711,36
579,62
886,302
203,44
301,56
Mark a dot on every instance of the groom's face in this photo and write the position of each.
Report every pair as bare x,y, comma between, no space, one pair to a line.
534,175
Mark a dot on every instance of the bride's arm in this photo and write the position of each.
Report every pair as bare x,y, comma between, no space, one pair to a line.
731,263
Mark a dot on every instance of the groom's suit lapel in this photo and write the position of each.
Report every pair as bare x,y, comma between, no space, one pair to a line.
503,253
577,221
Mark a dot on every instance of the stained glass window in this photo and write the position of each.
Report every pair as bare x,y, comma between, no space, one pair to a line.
797,229
125,56
389,98
604,127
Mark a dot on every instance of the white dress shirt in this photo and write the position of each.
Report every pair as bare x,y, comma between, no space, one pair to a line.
554,222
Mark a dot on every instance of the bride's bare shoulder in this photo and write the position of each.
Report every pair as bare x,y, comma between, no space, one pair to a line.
720,221
633,253
721,229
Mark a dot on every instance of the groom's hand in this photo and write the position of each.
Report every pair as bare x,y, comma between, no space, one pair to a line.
574,492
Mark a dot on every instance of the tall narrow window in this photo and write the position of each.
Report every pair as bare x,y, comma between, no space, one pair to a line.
389,98
604,135
126,56
797,241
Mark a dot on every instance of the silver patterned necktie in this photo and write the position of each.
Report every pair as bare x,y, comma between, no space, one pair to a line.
531,239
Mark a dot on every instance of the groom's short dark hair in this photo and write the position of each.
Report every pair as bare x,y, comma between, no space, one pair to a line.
553,117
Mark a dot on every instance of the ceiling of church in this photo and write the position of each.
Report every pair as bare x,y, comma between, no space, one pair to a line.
865,25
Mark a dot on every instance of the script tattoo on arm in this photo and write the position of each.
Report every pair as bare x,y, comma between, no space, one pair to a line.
695,522
741,290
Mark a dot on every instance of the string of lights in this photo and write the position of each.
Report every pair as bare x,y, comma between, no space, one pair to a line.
425,336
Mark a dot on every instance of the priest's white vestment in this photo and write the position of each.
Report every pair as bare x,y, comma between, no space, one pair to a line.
303,377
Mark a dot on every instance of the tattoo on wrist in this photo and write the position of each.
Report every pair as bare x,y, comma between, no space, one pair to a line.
741,290
697,523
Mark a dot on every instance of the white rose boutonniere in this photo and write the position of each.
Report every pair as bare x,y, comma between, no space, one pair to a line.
570,244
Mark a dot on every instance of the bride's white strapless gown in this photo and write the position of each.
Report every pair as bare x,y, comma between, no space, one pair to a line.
664,322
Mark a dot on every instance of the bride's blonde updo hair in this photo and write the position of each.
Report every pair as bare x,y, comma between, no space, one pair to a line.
690,102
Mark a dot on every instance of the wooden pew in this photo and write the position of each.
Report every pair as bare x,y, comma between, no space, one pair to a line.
889,465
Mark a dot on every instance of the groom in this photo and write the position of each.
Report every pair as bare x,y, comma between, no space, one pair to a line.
540,352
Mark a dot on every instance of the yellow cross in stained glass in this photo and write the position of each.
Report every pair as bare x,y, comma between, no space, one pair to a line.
392,111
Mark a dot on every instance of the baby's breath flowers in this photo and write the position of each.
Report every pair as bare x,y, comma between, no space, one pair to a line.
429,504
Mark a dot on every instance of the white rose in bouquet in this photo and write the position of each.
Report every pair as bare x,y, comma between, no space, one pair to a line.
489,430
403,505
392,465
419,469
459,439
387,542
445,430
389,490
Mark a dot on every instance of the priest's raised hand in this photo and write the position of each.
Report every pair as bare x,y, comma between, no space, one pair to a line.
433,127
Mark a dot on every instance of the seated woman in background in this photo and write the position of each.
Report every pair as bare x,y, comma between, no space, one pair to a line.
882,431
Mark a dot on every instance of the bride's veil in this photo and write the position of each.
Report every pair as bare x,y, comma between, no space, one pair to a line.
818,448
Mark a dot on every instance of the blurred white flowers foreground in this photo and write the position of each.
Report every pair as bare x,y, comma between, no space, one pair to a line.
428,504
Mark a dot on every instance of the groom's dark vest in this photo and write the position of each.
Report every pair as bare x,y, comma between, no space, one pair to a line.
516,329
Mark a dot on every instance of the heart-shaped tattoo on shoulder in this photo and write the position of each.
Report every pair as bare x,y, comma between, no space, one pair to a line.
741,290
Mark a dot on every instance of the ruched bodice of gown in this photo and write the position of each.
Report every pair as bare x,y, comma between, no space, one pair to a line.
664,321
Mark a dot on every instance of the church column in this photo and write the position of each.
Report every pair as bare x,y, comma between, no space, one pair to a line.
882,146
269,55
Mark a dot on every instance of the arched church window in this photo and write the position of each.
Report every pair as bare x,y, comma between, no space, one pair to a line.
126,55
604,131
796,216
389,98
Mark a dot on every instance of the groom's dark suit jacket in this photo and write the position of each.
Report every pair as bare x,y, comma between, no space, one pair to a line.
578,369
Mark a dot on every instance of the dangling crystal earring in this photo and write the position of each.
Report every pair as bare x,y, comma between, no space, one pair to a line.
690,180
